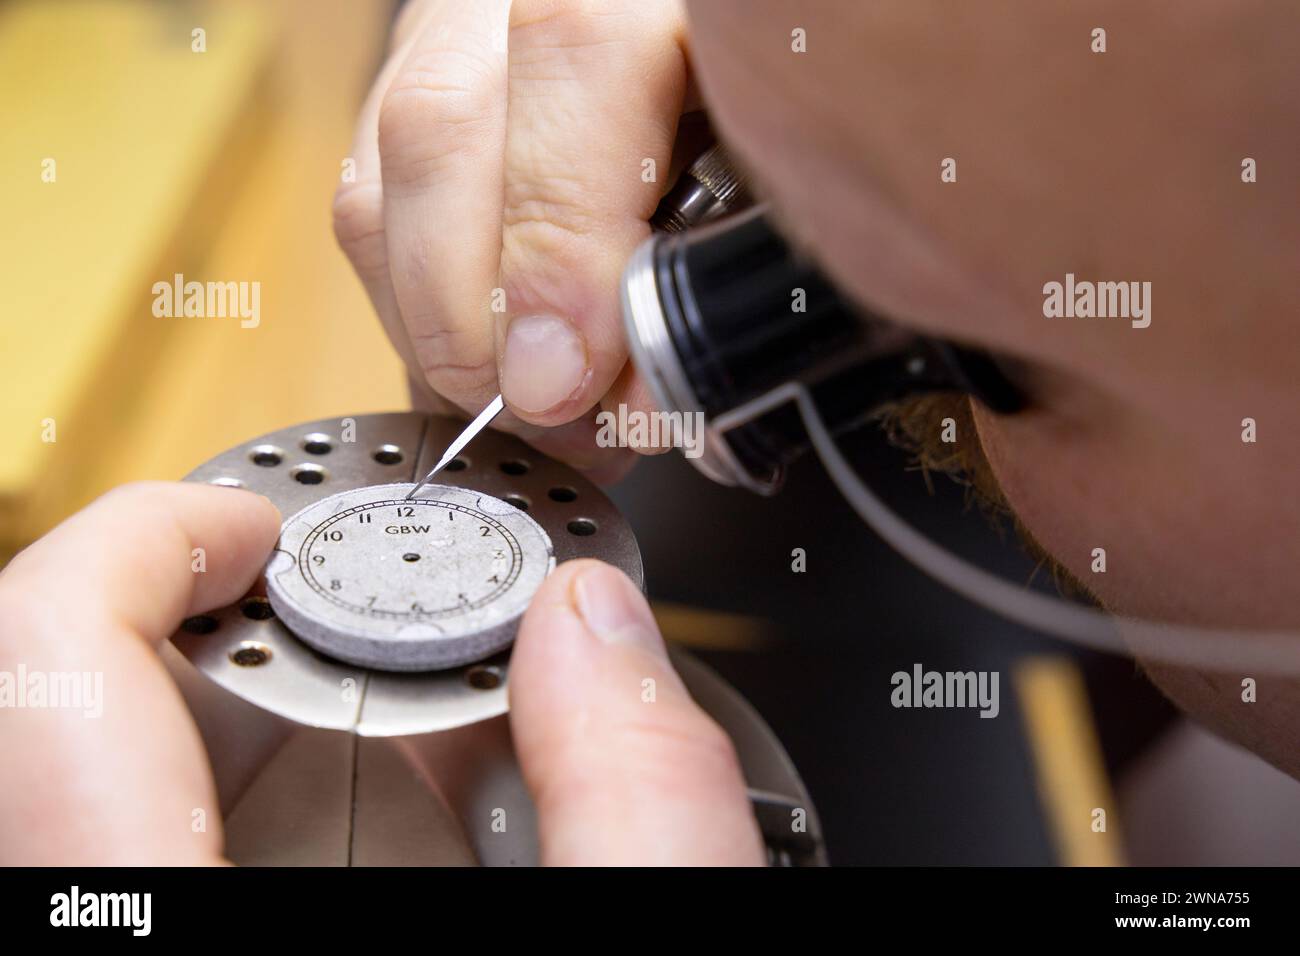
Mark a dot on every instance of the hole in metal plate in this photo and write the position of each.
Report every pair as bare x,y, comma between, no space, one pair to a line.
308,474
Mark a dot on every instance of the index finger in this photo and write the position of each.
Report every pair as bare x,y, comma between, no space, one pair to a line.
595,96
144,557
121,777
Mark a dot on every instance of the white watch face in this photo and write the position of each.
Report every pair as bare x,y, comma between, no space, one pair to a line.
375,579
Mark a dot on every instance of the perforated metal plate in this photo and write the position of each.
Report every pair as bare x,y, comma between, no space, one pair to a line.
249,651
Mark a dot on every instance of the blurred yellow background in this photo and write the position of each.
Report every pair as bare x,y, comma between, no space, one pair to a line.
219,165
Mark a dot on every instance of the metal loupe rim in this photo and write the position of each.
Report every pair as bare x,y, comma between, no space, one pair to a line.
655,356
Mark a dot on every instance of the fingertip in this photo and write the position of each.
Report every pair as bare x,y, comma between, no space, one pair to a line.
248,518
548,632
264,514
624,767
188,546
546,369
225,535
232,532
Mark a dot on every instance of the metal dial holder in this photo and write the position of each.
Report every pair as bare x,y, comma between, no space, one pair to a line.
247,650
250,681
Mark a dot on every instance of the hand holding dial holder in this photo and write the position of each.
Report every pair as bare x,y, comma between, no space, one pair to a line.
307,687
254,684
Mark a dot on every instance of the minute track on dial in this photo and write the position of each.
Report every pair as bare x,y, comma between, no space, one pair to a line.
373,578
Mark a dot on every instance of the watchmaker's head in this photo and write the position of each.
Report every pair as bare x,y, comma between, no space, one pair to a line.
947,163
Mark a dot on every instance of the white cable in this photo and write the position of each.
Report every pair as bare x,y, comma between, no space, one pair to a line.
1234,652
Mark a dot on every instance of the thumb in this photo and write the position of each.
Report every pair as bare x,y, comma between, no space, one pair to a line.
624,767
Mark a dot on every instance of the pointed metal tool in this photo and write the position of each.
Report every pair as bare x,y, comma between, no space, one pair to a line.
464,438
709,188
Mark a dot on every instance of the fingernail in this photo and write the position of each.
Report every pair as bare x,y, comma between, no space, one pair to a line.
615,611
545,362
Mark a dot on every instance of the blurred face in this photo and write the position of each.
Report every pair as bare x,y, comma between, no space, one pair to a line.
1116,166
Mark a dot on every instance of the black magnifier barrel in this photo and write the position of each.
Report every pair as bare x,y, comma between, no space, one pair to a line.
722,315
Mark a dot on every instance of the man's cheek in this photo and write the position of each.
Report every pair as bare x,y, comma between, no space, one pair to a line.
1055,483
1145,517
